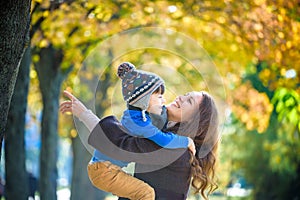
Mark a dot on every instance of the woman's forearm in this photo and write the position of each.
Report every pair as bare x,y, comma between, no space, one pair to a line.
89,119
110,138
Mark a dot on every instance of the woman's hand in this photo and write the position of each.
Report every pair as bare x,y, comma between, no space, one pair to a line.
192,146
73,105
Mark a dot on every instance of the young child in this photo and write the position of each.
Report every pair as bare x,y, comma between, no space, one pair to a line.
143,92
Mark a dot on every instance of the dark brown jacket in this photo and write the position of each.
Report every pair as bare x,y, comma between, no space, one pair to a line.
167,171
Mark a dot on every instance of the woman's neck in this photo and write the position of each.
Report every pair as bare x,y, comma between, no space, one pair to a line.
172,117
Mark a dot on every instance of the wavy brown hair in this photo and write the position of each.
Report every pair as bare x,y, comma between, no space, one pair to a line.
204,131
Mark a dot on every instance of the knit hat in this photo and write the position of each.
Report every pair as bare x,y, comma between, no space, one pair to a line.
137,85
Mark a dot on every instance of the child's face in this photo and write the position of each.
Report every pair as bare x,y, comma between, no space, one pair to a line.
155,104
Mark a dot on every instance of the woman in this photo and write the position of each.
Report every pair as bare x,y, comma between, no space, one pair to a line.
193,114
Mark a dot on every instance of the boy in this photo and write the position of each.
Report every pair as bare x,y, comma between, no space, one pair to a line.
143,93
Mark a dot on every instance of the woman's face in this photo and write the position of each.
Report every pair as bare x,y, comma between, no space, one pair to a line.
183,108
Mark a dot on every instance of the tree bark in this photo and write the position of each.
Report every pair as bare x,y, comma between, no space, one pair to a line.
14,27
17,183
50,77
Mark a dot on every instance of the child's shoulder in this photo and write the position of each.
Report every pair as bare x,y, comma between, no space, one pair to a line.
137,117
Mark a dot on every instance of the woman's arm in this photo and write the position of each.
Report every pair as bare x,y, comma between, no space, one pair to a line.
110,137
132,120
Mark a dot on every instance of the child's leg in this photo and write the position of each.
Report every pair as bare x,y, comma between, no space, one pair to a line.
111,178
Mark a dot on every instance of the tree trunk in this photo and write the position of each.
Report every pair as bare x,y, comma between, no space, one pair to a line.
81,187
14,27
16,186
81,157
50,77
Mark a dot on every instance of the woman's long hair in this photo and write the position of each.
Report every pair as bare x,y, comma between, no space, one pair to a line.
203,128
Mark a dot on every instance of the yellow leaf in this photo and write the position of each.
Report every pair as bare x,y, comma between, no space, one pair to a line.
221,20
43,43
295,28
259,2
280,18
277,159
99,15
148,9
258,27
289,44
283,71
35,58
46,13
73,133
206,17
282,11
32,74
281,35
260,129
278,56
234,47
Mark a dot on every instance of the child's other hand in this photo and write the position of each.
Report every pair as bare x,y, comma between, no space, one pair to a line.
192,146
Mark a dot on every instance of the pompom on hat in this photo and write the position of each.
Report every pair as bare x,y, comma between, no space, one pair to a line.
137,85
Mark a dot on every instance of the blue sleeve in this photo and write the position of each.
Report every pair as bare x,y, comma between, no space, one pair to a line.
137,127
99,156
169,140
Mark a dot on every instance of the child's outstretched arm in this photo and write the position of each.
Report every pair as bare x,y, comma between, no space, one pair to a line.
172,141
79,110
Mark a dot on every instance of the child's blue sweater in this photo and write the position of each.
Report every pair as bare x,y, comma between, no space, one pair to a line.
133,121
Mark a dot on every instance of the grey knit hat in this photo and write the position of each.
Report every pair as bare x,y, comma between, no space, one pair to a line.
137,85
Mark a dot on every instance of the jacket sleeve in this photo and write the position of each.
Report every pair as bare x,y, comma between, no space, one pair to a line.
110,138
136,126
169,140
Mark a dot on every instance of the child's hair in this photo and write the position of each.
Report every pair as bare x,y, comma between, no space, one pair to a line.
160,89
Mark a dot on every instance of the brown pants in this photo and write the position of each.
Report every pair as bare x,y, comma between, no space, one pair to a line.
111,178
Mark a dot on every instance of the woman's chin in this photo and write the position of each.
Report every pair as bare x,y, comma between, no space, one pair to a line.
172,105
